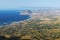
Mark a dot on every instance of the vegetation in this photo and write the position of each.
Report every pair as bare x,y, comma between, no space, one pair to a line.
31,30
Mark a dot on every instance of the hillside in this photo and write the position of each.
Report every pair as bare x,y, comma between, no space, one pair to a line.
38,28
32,30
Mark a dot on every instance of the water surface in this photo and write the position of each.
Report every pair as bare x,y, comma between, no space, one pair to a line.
7,17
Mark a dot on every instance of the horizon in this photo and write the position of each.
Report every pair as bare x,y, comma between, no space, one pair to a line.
29,8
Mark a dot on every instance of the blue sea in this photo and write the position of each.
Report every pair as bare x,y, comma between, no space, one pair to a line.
7,17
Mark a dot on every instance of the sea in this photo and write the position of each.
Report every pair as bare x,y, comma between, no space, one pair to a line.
10,16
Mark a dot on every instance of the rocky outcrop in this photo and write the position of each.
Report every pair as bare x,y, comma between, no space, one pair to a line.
25,12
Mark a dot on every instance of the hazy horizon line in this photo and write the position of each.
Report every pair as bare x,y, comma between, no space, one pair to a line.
21,8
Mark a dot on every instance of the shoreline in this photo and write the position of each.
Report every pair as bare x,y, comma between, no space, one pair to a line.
17,22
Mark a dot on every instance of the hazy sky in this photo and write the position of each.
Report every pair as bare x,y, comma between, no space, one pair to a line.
17,4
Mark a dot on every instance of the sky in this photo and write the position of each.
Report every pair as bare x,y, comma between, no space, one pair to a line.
17,4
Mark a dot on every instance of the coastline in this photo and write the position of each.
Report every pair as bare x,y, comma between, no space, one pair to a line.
17,22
